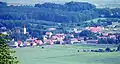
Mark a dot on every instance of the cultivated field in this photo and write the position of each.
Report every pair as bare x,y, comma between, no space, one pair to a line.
66,54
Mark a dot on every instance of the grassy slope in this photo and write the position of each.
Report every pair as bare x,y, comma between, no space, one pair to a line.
65,55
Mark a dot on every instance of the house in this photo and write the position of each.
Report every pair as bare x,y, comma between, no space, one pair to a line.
5,33
112,36
49,34
27,43
76,30
105,34
18,44
54,37
92,41
95,29
48,41
31,41
50,29
60,36
38,42
74,40
45,37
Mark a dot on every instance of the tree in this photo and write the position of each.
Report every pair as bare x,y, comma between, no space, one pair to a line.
118,39
3,4
86,33
118,48
107,49
6,56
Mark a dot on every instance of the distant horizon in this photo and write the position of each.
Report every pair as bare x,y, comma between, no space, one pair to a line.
31,2
98,3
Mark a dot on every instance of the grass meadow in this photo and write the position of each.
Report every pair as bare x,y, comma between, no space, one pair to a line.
66,54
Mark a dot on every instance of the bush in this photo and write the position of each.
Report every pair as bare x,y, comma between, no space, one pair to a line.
114,50
108,50
100,50
95,50
92,50
6,56
84,51
118,48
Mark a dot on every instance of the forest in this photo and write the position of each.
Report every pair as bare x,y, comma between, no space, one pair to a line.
69,12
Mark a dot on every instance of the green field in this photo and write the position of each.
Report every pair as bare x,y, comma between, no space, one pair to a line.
59,54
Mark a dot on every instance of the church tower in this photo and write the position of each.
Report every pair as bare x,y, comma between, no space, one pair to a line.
24,29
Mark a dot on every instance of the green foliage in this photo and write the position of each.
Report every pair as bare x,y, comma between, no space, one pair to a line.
71,11
118,48
86,33
102,41
107,49
6,54
107,41
3,4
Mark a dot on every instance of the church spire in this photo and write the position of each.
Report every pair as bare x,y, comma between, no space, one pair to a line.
24,29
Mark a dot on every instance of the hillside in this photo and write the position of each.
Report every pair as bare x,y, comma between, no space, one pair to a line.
39,18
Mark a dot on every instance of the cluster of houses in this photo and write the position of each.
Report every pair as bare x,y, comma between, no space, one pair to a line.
50,38
61,38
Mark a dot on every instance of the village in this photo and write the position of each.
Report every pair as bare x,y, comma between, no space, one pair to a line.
77,36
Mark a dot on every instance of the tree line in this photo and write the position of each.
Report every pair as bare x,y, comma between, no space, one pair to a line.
68,12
